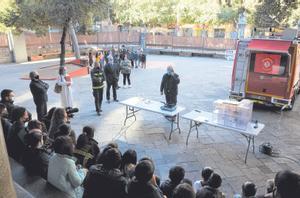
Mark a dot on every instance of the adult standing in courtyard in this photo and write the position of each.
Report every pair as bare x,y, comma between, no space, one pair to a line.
98,79
126,70
65,81
111,80
143,59
169,86
39,90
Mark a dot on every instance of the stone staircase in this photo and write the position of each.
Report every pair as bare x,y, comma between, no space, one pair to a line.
32,186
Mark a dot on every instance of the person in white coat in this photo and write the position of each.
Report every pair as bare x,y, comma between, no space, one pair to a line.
65,81
62,171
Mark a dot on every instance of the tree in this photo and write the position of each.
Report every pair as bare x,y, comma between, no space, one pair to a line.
274,13
4,4
38,15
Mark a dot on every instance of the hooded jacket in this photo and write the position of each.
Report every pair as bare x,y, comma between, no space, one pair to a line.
104,183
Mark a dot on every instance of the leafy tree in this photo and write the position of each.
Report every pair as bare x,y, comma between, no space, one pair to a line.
4,4
274,13
295,17
38,15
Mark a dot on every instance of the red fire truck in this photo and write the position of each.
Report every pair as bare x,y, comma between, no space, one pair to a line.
266,70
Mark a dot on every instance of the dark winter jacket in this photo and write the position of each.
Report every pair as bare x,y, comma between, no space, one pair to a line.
143,58
38,90
36,161
117,69
94,146
85,156
110,74
6,125
169,84
167,188
15,141
9,106
208,191
103,183
98,78
137,189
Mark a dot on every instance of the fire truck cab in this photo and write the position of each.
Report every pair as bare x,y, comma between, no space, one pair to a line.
267,71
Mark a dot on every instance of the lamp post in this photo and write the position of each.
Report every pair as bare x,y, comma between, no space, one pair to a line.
242,22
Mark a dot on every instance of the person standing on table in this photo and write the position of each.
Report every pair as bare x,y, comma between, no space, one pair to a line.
98,79
169,86
65,81
111,80
39,90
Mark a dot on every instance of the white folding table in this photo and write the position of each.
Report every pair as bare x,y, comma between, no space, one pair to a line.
197,118
135,104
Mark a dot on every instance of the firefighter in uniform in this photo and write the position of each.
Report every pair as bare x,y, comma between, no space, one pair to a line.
98,79
169,86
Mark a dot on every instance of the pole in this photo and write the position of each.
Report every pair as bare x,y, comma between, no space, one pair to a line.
74,39
119,32
11,46
97,38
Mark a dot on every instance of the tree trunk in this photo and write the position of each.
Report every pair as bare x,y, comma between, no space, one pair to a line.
74,41
62,45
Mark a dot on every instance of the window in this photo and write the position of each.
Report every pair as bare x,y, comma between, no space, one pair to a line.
219,33
269,63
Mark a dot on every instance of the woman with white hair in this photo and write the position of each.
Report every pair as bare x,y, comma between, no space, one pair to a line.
169,86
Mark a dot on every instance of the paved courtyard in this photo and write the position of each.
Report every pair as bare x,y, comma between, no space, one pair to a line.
203,80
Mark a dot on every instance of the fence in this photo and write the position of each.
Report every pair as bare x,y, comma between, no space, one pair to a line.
190,42
50,43
109,38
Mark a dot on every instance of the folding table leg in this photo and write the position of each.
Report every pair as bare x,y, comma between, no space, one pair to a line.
172,123
253,144
130,112
178,127
249,142
126,115
191,126
197,124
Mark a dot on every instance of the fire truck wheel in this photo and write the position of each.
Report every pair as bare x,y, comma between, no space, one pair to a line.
292,102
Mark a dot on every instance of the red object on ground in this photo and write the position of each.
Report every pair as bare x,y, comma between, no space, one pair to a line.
79,72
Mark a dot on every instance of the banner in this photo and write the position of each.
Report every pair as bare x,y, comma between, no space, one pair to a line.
267,64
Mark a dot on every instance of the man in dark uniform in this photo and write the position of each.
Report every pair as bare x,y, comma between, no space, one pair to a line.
98,79
117,69
169,86
111,80
39,90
